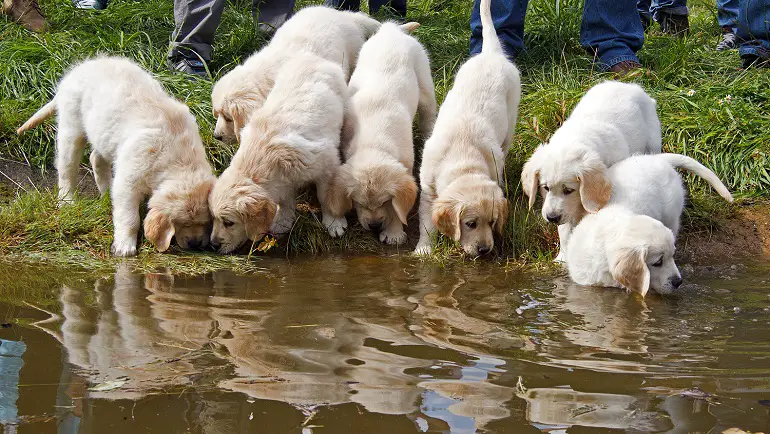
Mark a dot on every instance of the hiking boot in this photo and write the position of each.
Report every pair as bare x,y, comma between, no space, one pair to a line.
25,12
676,25
90,4
729,39
625,67
193,67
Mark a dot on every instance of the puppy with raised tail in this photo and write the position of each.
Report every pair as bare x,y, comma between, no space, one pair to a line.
392,81
143,143
463,161
293,140
611,122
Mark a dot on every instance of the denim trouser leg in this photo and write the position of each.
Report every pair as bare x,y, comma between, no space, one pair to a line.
645,8
508,16
673,7
754,28
196,22
398,6
345,5
727,14
271,14
612,30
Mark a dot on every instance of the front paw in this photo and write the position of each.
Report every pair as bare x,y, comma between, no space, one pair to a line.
335,226
561,258
124,248
395,237
423,249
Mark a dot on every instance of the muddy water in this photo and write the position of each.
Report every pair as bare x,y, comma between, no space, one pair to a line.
371,345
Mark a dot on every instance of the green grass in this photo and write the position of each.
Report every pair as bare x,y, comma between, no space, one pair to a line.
729,137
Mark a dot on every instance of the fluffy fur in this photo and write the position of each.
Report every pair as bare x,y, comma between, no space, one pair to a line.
617,248
147,139
291,141
463,161
611,122
392,82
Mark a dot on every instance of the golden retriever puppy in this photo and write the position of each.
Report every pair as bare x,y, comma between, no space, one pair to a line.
611,122
293,140
334,35
392,81
144,141
618,248
463,161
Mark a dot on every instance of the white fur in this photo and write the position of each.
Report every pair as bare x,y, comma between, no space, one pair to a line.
463,161
611,122
391,82
617,248
143,139
291,141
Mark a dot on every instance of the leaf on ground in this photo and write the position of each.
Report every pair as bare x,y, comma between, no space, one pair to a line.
108,385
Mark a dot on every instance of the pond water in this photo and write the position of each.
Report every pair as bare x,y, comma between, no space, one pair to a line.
373,345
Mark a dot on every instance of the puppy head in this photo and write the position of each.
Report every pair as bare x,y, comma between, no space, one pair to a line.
232,101
573,182
380,191
470,211
241,210
180,209
641,257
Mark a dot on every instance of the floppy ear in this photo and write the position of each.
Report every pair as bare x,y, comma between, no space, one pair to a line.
595,188
404,192
502,215
629,268
337,197
446,218
240,114
257,215
530,180
158,229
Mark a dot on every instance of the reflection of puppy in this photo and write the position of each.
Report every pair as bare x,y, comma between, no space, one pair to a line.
334,35
292,141
616,247
611,122
148,140
463,161
391,82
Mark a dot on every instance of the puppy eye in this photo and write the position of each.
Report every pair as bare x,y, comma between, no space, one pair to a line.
659,263
226,118
545,187
471,224
568,190
227,223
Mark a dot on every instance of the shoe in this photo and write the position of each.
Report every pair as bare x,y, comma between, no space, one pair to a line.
752,60
193,67
729,40
646,21
625,67
90,4
27,13
676,25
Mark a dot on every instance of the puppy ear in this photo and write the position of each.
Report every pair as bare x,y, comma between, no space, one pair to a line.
446,218
239,112
257,215
404,192
158,229
595,188
502,215
630,269
530,180
337,198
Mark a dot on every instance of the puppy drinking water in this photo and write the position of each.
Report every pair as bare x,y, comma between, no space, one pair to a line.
611,122
463,161
146,138
291,141
391,82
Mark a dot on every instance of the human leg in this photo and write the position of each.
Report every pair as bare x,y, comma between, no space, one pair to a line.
672,16
271,14
508,16
196,22
754,30
611,30
344,5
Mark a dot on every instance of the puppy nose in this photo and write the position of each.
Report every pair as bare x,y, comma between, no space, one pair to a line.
375,226
553,218
483,250
217,136
676,282
215,244
194,243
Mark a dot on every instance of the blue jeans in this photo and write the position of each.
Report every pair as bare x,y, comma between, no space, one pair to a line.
754,28
650,8
727,14
398,6
611,29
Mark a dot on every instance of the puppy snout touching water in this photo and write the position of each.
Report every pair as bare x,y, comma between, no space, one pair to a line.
143,143
463,161
391,83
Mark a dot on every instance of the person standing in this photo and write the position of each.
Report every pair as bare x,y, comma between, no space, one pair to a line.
398,7
672,15
727,17
754,33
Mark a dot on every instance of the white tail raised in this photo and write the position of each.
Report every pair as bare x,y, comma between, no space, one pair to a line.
690,164
490,41
44,113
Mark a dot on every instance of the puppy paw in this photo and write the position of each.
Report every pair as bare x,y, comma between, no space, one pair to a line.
335,226
395,237
123,248
423,250
560,258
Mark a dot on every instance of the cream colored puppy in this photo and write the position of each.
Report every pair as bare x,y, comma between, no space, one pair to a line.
618,248
334,35
463,161
611,122
143,140
392,82
291,141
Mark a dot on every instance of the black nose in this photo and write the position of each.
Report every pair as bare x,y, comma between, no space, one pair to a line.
194,244
676,281
217,136
375,226
484,250
553,218
215,244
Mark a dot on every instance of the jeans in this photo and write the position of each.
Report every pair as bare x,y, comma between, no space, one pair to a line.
398,6
197,21
611,29
650,8
754,28
727,14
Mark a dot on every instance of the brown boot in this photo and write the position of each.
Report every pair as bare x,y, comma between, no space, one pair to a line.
25,12
626,67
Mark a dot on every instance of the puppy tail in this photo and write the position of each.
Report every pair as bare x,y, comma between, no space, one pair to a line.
690,164
409,27
44,113
490,41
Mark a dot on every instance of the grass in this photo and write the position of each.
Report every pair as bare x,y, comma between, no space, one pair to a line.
688,78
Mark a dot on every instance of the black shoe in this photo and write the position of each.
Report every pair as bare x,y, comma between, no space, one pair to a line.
194,67
670,24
